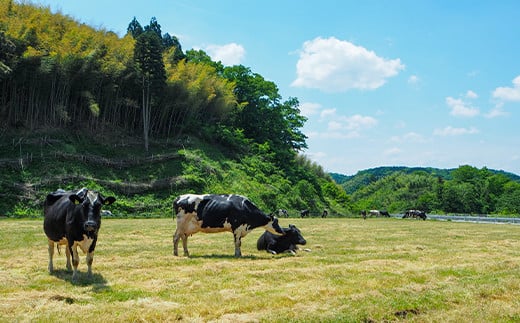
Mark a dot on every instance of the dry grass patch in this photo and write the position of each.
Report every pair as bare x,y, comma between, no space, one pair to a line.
373,270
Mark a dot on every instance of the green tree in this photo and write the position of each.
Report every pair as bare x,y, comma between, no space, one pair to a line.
152,75
134,28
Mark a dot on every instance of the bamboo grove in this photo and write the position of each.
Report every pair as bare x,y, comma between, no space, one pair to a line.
56,72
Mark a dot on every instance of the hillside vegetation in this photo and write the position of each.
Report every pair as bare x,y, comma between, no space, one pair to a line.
465,189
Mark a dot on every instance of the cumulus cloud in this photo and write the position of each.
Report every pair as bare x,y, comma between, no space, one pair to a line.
471,95
497,111
414,79
409,137
511,94
392,151
460,108
334,65
308,108
451,131
229,54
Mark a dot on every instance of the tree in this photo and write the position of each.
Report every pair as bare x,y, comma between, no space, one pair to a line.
152,75
134,28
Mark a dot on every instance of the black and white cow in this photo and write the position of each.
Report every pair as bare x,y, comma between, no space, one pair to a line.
277,244
304,213
72,218
218,213
377,213
416,214
282,213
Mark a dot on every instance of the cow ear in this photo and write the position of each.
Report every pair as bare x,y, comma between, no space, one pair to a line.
109,200
76,200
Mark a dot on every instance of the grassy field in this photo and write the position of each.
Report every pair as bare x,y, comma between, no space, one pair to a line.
358,271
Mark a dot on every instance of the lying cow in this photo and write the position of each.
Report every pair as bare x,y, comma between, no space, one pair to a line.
218,213
72,218
278,244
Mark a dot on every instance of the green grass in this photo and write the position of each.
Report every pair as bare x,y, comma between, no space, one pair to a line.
374,270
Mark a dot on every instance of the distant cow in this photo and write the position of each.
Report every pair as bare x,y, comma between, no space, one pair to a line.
364,214
304,213
72,218
325,213
282,213
218,213
278,244
379,213
416,214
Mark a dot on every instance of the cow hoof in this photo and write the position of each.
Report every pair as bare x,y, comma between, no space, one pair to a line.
272,252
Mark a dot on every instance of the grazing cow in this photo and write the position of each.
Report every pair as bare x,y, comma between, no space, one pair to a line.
278,244
72,218
374,213
325,213
379,213
218,213
384,213
283,213
304,213
416,214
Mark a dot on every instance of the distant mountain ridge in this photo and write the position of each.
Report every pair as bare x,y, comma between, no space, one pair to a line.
352,183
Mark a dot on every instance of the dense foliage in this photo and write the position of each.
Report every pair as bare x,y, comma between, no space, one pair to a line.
74,98
465,190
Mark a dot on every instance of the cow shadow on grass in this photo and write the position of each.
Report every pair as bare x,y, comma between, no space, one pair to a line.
97,281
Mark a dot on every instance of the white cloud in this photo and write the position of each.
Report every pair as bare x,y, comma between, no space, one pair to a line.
471,95
459,108
509,93
450,131
333,65
229,54
307,109
392,151
357,121
327,113
497,111
414,79
409,137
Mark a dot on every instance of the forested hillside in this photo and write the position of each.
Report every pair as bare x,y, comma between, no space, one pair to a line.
462,190
138,117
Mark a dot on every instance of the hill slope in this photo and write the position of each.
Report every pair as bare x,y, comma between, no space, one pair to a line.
33,164
462,190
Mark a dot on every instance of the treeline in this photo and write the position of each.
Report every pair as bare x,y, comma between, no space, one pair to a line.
56,72
466,190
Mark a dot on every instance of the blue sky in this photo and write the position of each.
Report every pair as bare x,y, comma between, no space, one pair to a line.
383,83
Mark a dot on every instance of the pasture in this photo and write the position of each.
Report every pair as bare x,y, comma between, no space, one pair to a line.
358,271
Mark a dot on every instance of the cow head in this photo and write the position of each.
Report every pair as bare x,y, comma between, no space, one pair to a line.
295,235
89,206
273,226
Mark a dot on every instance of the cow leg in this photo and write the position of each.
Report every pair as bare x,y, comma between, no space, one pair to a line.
67,254
90,259
75,260
51,254
176,238
238,243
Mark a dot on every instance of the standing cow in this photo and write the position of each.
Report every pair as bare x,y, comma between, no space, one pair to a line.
72,218
277,244
218,213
